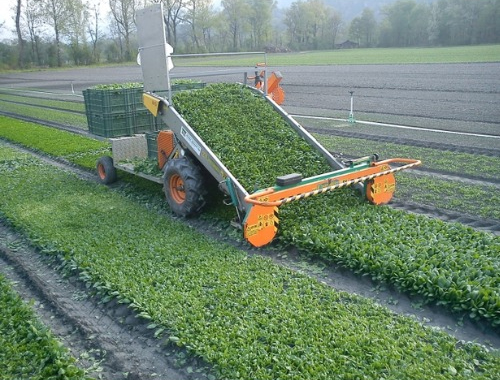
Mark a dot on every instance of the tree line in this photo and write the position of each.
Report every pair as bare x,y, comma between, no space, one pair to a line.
76,32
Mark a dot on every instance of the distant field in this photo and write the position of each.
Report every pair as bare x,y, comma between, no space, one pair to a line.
460,54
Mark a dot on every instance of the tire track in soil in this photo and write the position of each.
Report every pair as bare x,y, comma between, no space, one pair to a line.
341,279
108,340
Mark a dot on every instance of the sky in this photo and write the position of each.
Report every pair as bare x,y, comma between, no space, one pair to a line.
6,16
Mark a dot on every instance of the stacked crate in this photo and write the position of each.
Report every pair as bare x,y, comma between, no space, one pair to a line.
117,112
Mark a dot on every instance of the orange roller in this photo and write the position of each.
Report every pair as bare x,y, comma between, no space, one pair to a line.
379,191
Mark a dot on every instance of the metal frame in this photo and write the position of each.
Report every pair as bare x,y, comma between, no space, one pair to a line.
258,211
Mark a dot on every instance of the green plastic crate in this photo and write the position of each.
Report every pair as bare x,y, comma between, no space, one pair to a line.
151,139
111,101
121,112
124,124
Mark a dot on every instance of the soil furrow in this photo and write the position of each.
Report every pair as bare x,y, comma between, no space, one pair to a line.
108,340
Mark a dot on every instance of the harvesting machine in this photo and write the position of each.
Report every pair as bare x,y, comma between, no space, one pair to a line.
184,157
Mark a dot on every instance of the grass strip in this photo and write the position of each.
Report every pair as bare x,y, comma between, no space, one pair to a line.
454,162
68,118
388,56
69,146
248,317
67,105
28,350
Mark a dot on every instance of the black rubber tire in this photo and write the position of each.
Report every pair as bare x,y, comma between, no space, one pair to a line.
106,171
184,187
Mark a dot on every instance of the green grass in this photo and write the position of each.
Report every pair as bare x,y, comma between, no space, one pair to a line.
28,350
247,317
458,54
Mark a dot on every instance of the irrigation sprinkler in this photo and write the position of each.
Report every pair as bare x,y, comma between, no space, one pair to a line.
351,114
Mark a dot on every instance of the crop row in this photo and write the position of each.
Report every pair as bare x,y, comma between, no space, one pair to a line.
68,118
461,197
450,264
341,229
69,146
28,350
472,199
455,162
61,104
249,318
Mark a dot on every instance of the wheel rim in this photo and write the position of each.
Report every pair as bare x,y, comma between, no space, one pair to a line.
177,189
101,171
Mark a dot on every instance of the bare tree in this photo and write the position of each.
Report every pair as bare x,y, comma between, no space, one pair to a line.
174,16
56,13
20,40
362,28
94,30
199,15
312,24
334,24
123,12
34,23
75,31
259,17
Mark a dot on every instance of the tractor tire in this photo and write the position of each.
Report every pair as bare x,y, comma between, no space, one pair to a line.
183,186
106,171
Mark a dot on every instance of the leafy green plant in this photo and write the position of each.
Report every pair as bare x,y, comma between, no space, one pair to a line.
245,315
241,129
128,85
75,148
446,263
436,159
68,118
340,227
147,166
27,348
